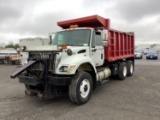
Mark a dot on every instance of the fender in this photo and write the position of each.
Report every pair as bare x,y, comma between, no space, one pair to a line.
75,60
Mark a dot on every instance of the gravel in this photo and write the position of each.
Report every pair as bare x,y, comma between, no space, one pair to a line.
135,98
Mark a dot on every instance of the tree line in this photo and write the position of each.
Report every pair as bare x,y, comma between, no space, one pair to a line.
11,45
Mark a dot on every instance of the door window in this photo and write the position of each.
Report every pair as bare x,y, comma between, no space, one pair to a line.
98,38
97,41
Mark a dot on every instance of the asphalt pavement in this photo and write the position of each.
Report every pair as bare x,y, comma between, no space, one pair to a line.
135,98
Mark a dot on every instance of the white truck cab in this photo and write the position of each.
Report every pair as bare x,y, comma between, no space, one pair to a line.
82,45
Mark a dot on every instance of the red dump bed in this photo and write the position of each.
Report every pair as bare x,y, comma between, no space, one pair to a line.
120,44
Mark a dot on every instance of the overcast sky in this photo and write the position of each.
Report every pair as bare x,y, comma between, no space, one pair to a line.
36,18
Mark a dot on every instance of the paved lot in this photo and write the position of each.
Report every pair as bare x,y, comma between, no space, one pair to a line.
136,98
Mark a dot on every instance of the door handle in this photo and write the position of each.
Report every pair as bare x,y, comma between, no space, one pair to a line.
94,50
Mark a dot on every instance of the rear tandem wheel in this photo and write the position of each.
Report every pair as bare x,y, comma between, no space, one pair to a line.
122,71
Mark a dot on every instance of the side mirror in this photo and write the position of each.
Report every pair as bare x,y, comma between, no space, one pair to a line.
105,35
104,43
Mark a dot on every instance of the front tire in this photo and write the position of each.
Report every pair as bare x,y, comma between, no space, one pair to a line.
80,88
122,71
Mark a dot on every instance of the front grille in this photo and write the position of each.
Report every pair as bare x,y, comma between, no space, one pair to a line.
40,55
46,56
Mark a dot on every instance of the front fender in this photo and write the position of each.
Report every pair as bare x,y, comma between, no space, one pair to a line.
76,60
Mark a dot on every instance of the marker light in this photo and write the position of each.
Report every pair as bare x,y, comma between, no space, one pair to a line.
64,46
73,26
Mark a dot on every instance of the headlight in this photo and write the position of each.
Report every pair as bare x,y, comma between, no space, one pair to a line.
67,68
63,69
72,67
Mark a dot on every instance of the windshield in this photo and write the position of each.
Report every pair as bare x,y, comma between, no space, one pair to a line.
152,52
72,37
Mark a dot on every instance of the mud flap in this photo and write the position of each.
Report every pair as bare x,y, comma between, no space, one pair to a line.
23,68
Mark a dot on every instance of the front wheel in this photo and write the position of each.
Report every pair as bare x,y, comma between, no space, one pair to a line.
80,88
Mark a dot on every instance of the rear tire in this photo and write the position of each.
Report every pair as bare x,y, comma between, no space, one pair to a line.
130,68
122,71
80,88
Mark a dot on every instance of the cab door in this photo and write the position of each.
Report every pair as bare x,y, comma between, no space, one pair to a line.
97,50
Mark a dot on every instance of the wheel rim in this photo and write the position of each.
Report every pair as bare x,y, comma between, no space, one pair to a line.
124,71
131,69
85,88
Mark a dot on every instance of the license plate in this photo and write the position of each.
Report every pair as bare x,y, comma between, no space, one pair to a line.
151,57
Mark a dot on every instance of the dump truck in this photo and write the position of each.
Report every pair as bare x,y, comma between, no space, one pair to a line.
85,53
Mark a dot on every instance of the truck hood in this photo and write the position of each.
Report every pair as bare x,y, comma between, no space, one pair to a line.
42,48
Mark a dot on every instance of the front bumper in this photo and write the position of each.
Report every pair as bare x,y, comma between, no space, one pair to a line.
63,80
52,80
30,80
151,57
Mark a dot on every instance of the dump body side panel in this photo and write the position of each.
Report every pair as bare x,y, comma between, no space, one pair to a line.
120,45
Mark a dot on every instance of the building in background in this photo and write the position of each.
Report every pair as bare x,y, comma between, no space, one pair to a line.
148,46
